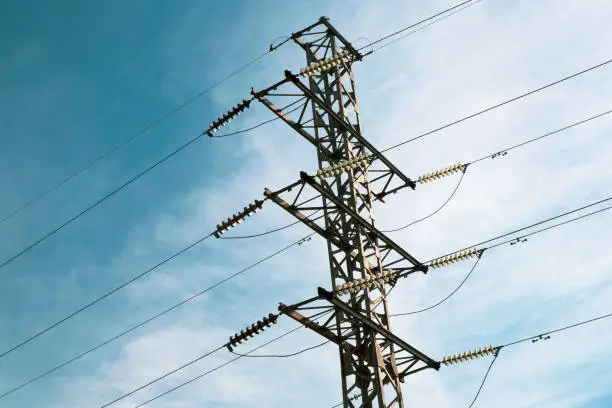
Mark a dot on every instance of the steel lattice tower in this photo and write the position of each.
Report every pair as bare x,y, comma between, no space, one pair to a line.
340,208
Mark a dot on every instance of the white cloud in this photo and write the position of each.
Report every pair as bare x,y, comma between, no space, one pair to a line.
479,57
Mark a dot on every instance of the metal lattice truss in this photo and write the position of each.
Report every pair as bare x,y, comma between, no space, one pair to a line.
339,207
308,198
408,360
328,107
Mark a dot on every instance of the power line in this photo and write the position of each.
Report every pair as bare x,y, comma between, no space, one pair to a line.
497,153
560,329
454,192
433,213
444,299
503,243
238,132
443,17
535,139
134,136
212,370
311,218
480,244
100,201
506,102
104,296
532,338
169,373
282,355
484,379
143,323
261,234
204,374
416,24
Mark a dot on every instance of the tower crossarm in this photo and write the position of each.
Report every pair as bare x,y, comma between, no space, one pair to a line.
408,359
304,200
324,109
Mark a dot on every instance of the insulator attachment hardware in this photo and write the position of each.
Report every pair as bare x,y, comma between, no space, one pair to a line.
228,116
540,337
238,218
518,240
456,257
343,166
324,65
438,174
366,283
499,154
469,355
252,330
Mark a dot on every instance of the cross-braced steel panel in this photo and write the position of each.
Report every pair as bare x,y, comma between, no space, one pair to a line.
327,115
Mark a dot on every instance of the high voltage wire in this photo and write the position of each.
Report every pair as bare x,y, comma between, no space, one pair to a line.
519,341
242,131
193,140
296,242
154,317
437,210
274,229
484,379
109,195
134,136
425,309
564,328
490,155
442,16
584,207
104,296
500,244
546,135
189,363
197,242
282,355
498,153
147,170
182,147
499,105
386,37
531,338
189,101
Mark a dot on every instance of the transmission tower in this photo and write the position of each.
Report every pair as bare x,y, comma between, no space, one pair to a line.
337,204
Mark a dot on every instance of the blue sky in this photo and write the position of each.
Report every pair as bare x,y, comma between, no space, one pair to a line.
77,78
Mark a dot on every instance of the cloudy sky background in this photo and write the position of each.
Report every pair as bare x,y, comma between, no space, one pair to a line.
76,79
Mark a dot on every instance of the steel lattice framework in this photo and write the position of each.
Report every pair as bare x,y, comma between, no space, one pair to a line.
340,209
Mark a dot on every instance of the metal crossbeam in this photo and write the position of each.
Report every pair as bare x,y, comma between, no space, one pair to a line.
409,360
308,199
373,360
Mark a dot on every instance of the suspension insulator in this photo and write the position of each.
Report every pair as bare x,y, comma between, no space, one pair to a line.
344,166
469,355
252,330
325,65
228,117
237,218
456,168
456,257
